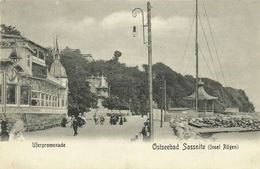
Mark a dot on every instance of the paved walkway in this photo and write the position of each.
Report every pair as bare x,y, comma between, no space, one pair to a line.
164,132
127,131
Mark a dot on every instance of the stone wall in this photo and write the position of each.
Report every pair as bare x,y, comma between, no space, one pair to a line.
34,121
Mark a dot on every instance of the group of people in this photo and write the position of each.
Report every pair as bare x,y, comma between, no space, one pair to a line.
74,121
114,119
98,119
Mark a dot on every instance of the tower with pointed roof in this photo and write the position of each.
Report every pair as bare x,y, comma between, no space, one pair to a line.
99,86
58,71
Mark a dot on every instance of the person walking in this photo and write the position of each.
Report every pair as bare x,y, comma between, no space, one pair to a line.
102,120
75,126
121,121
95,118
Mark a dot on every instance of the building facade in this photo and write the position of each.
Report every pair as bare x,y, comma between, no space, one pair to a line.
26,85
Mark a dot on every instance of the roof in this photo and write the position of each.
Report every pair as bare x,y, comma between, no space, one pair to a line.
57,69
202,94
22,38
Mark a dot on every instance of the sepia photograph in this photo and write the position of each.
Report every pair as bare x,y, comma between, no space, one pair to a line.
130,84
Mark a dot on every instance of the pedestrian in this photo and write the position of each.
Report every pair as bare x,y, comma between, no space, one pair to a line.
63,122
75,126
111,120
95,118
102,119
117,118
114,120
145,132
121,121
4,132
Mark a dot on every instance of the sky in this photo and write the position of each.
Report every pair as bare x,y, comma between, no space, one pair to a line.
102,26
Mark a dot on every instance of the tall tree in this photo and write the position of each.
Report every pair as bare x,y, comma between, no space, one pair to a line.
10,30
80,97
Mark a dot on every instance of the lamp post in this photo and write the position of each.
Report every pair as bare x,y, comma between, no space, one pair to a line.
149,45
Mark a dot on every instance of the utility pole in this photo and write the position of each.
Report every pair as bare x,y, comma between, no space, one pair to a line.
4,94
165,101
149,24
162,104
197,62
149,45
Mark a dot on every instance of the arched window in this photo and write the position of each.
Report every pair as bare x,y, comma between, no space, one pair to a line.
11,94
24,94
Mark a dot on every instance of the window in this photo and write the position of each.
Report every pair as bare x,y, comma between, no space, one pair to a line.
36,98
50,100
11,94
39,71
47,100
54,101
58,101
28,61
42,100
24,95
41,55
62,102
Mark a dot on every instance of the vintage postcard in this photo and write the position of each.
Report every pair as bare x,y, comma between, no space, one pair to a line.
127,84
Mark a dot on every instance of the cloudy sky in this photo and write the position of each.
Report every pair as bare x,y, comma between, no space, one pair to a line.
100,27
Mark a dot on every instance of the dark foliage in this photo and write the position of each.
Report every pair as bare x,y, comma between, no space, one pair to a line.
11,30
129,85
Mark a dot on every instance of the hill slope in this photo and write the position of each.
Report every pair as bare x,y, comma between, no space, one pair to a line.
130,84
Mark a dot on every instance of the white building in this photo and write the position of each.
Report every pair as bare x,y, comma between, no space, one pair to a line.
26,85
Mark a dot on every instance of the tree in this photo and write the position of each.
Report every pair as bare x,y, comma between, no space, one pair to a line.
130,83
111,103
80,97
10,30
117,54
144,105
114,103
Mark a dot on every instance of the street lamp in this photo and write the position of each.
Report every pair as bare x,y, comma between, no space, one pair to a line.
149,46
